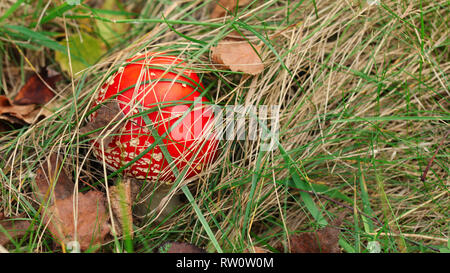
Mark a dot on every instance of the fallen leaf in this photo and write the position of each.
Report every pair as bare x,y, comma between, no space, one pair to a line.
54,184
91,226
176,247
105,117
35,91
85,51
21,114
121,203
325,240
52,180
23,110
223,6
14,228
238,56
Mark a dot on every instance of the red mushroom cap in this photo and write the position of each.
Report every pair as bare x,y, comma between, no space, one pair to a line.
165,86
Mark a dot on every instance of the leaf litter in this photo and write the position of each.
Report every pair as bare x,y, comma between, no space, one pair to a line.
12,228
325,240
26,108
37,91
238,56
71,216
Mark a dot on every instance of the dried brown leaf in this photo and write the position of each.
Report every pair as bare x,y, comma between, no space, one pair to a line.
92,226
325,240
238,56
14,228
35,91
220,9
53,181
23,110
14,113
106,115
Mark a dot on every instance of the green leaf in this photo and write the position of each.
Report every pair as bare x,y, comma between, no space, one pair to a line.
84,51
111,32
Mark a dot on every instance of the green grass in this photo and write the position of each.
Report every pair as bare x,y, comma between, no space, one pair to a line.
364,105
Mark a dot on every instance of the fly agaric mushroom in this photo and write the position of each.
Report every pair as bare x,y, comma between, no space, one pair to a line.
155,93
